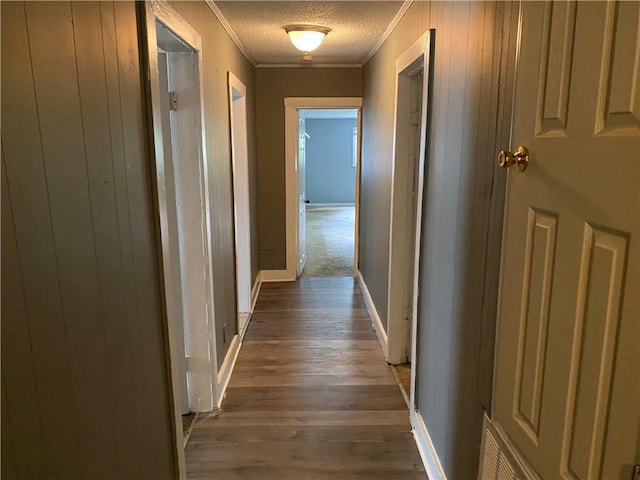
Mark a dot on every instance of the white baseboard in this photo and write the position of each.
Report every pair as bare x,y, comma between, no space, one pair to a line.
245,318
425,446
234,349
373,314
243,323
224,375
255,291
277,276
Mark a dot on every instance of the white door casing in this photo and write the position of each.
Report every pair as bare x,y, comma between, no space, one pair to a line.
172,283
566,386
410,136
302,195
199,332
241,202
292,197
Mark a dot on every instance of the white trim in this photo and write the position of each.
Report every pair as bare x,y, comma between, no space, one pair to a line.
426,448
323,102
387,33
292,105
255,291
356,228
203,388
277,276
241,200
310,65
234,38
224,375
243,323
232,34
373,314
414,59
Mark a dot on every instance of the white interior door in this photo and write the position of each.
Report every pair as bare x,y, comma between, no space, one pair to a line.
566,388
172,255
302,197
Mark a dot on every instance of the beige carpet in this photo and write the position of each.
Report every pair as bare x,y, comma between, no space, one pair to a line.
330,237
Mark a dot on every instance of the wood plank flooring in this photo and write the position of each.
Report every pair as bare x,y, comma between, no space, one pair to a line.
311,396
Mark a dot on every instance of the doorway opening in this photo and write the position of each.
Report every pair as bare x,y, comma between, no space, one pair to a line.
183,203
405,238
296,142
241,207
327,163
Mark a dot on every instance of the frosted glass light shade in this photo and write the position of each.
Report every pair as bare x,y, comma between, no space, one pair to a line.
306,38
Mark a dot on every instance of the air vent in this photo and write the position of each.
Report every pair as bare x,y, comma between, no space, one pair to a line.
497,460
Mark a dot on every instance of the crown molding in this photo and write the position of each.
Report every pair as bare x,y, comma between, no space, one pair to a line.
394,23
225,24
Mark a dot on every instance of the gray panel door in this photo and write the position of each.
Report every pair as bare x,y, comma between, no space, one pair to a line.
567,391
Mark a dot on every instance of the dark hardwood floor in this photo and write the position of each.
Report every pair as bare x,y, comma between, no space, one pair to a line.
311,396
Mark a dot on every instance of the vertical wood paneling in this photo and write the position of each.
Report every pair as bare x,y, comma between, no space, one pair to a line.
470,224
21,140
504,39
156,415
65,164
84,370
129,354
92,75
427,399
19,392
461,213
8,468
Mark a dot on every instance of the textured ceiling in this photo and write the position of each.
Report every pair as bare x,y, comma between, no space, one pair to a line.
356,28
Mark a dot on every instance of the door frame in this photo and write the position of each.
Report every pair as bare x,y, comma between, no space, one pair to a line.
206,388
241,200
291,107
414,59
422,50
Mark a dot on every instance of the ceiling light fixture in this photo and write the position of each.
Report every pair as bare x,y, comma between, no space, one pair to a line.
306,38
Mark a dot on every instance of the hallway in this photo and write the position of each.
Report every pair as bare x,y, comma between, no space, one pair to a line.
310,397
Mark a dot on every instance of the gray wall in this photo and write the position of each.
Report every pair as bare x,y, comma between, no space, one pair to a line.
330,174
272,86
219,55
84,374
463,202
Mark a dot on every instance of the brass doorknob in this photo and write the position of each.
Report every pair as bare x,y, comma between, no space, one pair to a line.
520,158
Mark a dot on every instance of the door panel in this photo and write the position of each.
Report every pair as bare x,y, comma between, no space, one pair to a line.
566,383
619,92
174,292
